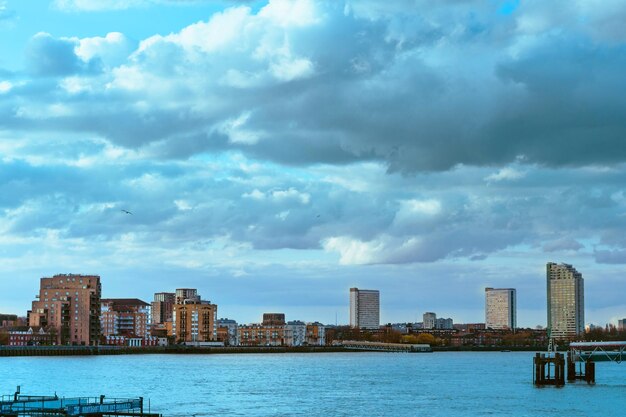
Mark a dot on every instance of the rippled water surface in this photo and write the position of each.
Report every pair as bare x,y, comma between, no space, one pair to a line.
322,384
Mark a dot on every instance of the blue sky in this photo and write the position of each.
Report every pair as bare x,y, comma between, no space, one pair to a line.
275,154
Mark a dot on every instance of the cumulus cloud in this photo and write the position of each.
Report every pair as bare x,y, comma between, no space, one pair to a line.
48,56
512,87
437,130
112,49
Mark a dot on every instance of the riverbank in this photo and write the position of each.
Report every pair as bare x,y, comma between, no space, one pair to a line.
488,349
123,350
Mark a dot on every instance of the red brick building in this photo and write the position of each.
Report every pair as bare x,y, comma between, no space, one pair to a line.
69,306
127,317
30,336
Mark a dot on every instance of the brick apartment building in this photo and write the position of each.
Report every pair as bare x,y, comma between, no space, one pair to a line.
68,305
127,317
194,321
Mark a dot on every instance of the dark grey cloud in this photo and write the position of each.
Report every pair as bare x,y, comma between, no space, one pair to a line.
610,256
565,244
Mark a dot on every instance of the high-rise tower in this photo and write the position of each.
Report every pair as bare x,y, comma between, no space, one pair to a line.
566,301
500,308
364,309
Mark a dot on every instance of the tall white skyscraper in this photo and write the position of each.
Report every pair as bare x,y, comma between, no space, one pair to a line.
500,308
566,301
364,309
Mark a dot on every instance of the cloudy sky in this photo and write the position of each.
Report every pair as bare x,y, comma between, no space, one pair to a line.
276,153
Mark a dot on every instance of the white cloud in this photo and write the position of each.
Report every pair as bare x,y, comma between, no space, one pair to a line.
429,207
113,49
506,174
352,251
254,194
5,87
292,69
234,129
132,78
290,12
77,84
217,34
291,193
183,205
97,5
384,249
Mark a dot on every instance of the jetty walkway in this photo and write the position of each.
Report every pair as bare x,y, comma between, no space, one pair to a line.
549,368
18,405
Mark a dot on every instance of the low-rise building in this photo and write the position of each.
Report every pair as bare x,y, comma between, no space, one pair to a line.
149,341
227,332
31,336
296,333
260,335
315,334
128,317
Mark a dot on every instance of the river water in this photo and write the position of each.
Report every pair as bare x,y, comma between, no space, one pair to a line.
440,384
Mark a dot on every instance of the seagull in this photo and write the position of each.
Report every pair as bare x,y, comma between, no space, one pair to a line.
126,211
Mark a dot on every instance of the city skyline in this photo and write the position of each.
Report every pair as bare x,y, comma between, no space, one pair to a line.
499,303
274,154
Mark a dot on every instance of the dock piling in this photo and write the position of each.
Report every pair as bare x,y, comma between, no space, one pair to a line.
544,364
590,372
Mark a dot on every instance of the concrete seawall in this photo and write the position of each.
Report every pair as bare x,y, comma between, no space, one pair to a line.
120,350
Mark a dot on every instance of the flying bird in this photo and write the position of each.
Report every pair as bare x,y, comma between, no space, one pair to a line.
126,211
